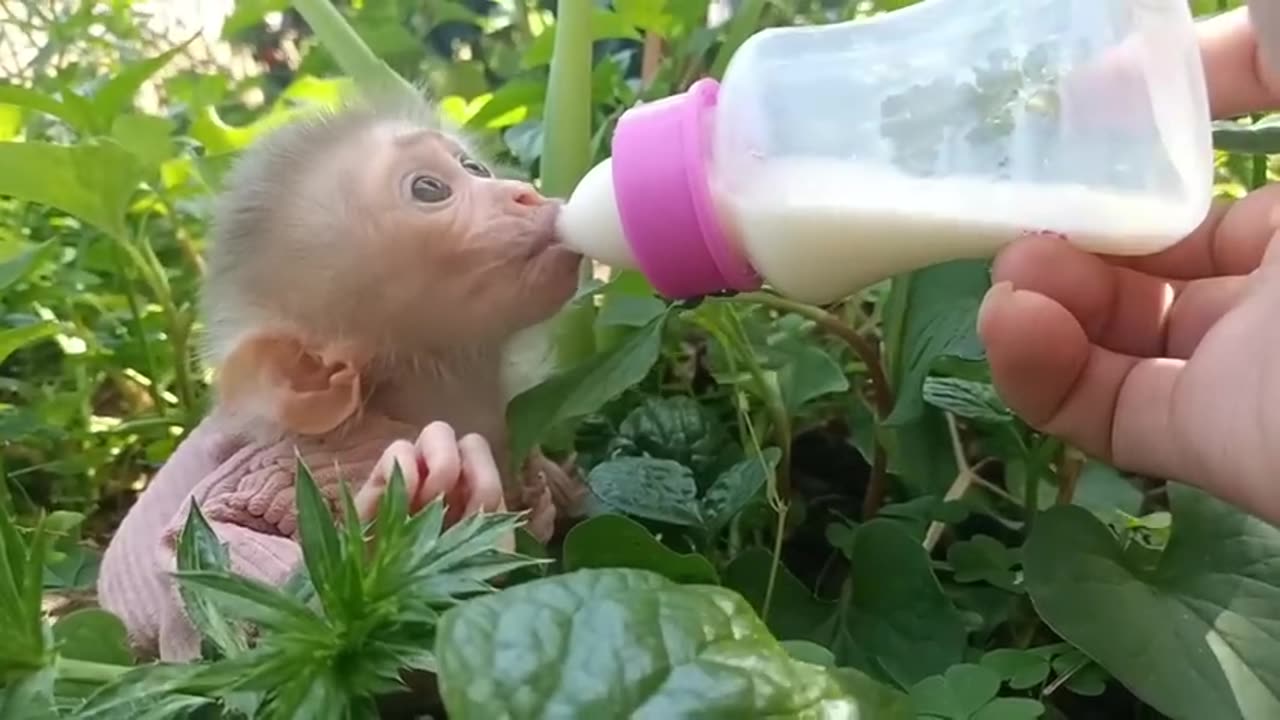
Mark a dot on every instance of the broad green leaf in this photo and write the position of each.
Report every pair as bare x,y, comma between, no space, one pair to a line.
14,339
94,635
736,487
615,541
93,181
809,652
249,13
1260,138
25,97
648,15
581,390
676,428
931,314
1106,491
1195,636
809,373
898,615
200,549
629,643
22,264
146,136
794,612
650,488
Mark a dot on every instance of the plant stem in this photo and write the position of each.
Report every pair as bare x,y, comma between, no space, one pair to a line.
960,486
351,53
1069,465
89,672
882,394
566,154
131,297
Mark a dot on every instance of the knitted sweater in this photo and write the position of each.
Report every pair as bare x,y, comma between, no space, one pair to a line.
246,492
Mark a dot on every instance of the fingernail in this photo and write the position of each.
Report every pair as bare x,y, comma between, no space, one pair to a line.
999,290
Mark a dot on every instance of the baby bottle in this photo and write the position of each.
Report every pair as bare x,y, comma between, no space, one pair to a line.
831,157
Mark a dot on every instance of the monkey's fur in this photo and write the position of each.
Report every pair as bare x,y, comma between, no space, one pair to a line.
366,277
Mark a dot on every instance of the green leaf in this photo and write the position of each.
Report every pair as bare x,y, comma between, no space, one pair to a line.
250,599
676,428
321,549
899,615
982,558
94,635
648,15
1260,138
736,487
968,399
616,541
931,314
1194,636
959,692
809,373
35,100
1022,669
93,181
30,697
1006,708
14,339
581,390
146,136
200,549
650,488
794,612
148,691
629,643
20,265
116,95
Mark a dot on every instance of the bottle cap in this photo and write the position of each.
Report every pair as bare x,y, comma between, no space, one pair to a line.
661,153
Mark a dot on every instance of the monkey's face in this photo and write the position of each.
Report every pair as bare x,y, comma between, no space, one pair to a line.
478,253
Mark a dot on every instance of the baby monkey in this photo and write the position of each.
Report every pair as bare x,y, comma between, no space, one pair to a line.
365,274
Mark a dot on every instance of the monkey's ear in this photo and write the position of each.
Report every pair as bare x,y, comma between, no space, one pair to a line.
277,377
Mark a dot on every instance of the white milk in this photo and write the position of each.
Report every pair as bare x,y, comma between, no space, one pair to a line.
820,229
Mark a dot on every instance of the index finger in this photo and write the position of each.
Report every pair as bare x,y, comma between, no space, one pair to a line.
1231,240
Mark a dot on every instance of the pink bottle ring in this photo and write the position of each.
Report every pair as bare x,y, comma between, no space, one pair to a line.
661,154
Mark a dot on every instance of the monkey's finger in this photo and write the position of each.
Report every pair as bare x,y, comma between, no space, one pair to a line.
480,470
402,452
438,449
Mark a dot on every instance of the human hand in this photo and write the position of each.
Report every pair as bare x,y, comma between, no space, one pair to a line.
1163,365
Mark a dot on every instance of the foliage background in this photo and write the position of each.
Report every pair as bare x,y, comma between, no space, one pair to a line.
848,470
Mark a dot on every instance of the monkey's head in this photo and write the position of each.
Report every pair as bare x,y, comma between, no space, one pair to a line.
373,233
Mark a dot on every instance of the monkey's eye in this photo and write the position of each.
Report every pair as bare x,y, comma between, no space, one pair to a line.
474,167
427,189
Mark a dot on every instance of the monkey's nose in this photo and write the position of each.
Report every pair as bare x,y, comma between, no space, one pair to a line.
525,194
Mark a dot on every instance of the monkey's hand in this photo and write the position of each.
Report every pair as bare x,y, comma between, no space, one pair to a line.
462,470
552,492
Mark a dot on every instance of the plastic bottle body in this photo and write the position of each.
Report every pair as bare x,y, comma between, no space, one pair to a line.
834,156
844,154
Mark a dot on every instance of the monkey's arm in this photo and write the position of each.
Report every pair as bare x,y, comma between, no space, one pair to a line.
249,501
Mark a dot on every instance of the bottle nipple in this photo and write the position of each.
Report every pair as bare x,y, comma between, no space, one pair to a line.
650,206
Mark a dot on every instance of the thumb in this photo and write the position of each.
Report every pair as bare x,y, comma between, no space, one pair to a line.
1114,407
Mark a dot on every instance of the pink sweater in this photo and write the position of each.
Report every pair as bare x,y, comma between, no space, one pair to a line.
246,493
